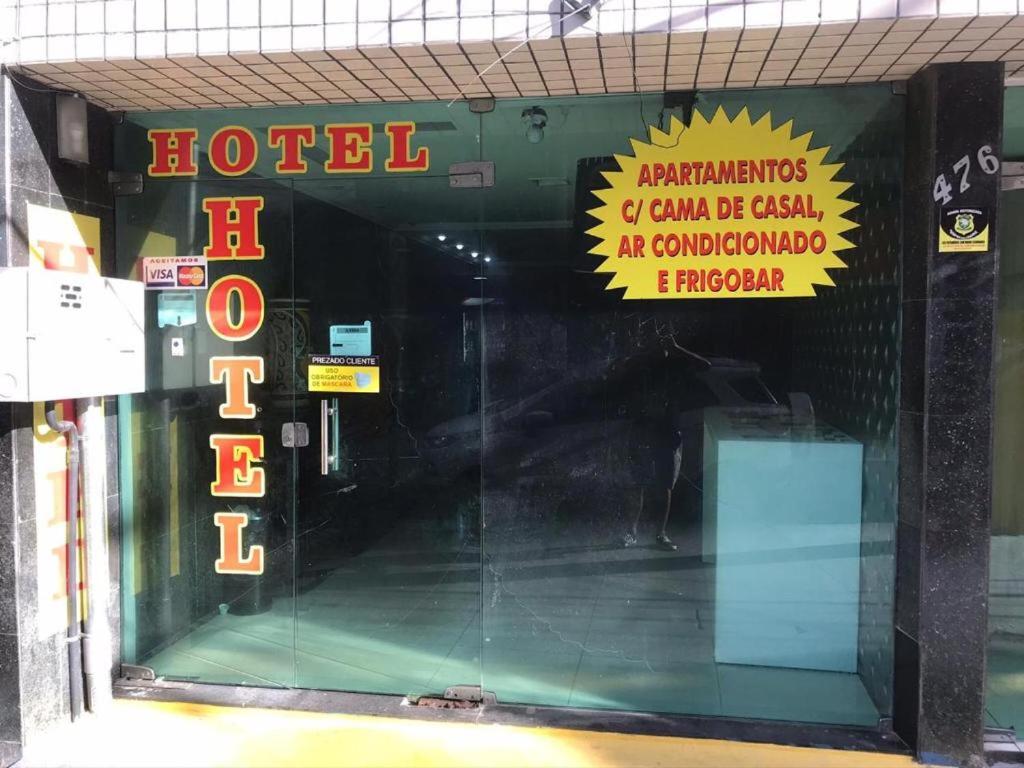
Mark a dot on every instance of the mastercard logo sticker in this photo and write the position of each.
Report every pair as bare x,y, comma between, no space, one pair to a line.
191,276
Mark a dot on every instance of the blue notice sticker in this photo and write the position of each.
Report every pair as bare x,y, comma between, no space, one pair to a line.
175,308
352,340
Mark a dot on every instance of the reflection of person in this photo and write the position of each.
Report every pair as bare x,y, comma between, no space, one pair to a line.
655,454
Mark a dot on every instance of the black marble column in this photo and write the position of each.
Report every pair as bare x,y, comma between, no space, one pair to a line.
953,111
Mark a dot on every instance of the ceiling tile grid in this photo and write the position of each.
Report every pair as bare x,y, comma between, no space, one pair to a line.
185,54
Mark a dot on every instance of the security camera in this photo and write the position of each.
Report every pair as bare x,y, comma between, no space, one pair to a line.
535,120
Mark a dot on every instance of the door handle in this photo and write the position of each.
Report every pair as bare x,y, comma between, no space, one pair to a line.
330,436
334,454
325,457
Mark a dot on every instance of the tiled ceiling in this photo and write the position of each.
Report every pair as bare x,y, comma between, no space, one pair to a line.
826,53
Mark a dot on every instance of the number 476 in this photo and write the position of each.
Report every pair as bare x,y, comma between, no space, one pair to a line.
942,192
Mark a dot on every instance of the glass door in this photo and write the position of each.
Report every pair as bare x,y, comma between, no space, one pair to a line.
300,480
387,318
206,476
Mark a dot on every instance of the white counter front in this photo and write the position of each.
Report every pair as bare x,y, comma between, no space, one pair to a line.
782,523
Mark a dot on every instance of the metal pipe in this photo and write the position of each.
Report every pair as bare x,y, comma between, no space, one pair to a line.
75,682
96,646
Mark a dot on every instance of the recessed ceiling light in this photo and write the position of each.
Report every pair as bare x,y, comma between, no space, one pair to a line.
459,246
487,258
442,238
474,254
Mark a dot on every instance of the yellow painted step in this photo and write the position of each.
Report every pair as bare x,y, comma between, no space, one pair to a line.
140,733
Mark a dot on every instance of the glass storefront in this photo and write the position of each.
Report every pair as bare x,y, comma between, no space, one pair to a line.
1005,700
547,490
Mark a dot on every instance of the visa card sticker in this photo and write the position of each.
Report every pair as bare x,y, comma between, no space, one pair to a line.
179,272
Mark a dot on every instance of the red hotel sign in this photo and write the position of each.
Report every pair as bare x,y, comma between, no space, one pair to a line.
233,150
235,307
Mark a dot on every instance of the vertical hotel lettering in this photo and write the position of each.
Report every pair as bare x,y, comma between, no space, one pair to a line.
235,306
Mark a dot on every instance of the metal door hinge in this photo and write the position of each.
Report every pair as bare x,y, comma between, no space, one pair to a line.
1013,175
464,693
456,697
1000,736
137,672
125,183
473,175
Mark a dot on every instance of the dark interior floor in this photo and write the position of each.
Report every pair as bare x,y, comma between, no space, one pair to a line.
561,614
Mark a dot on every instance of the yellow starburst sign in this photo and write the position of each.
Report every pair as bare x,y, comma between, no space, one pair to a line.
722,209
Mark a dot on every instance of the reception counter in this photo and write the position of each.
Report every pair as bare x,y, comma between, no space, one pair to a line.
782,523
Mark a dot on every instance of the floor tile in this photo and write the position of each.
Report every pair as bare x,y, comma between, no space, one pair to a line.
795,694
610,681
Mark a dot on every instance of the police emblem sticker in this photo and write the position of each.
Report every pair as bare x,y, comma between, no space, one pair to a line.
963,230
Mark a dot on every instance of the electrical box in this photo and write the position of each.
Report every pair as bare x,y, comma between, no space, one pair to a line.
66,335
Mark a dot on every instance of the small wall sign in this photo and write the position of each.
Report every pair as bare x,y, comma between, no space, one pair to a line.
352,339
963,230
344,373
